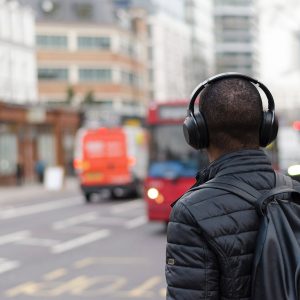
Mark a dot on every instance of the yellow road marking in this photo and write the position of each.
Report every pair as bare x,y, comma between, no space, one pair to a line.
84,263
144,288
75,286
163,292
108,260
55,274
27,288
109,286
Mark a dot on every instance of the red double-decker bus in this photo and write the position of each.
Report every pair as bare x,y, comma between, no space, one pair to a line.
172,163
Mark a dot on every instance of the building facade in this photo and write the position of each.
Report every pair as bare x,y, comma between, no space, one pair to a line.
199,17
236,36
180,45
280,48
168,48
32,134
90,52
29,132
17,53
168,57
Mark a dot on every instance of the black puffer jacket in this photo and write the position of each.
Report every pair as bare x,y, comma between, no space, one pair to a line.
212,233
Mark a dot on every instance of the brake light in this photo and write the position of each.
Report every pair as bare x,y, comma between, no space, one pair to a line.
131,161
81,165
296,125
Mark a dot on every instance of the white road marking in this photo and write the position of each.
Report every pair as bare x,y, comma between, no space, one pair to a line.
6,265
139,221
74,221
81,241
38,208
14,237
120,208
79,229
109,221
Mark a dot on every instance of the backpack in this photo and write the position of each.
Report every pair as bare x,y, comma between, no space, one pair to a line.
276,265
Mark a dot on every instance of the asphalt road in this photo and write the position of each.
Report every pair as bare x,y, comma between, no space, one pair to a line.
54,246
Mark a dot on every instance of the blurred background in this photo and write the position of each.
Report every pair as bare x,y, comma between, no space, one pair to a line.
92,97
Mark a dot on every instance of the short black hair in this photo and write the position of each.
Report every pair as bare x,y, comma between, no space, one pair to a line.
232,109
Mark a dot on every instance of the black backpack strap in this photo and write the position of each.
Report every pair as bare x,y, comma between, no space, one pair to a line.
247,192
234,186
268,197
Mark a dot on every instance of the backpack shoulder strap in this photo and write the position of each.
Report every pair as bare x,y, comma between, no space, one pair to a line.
234,186
247,192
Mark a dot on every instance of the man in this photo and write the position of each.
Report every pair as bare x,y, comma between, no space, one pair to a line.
212,233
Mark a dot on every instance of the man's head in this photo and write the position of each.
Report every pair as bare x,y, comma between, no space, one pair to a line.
232,109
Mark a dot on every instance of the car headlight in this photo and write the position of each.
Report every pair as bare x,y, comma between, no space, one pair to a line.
152,193
294,170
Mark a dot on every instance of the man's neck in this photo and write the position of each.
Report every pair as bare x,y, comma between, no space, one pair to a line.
215,153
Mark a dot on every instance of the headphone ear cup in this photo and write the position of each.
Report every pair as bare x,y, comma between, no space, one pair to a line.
268,129
195,131
190,131
274,129
202,130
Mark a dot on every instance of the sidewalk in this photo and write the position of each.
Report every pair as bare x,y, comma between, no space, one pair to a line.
34,189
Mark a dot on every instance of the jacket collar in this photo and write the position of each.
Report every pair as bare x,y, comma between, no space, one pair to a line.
246,160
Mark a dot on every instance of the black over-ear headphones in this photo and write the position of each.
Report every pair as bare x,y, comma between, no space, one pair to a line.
195,128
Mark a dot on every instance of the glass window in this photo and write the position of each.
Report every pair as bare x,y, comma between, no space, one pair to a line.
228,36
128,47
130,78
170,156
104,75
88,42
233,22
52,41
46,148
8,153
53,74
234,2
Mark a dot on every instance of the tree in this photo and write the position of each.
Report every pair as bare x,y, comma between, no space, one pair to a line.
70,95
89,98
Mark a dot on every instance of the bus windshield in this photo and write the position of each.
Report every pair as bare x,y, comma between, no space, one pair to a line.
170,156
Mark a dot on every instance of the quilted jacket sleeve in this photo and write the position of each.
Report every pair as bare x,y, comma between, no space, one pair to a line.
191,267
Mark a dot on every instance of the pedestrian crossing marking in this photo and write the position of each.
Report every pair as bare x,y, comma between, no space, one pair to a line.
8,265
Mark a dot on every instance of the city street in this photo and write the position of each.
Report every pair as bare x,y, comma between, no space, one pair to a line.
54,246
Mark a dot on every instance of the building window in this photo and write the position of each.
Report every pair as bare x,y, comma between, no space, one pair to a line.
234,2
46,148
129,78
8,153
52,41
53,74
88,42
104,75
128,47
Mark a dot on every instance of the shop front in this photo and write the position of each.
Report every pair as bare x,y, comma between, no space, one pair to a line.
32,138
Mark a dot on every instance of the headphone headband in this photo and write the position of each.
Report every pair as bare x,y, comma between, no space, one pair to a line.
196,131
196,92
